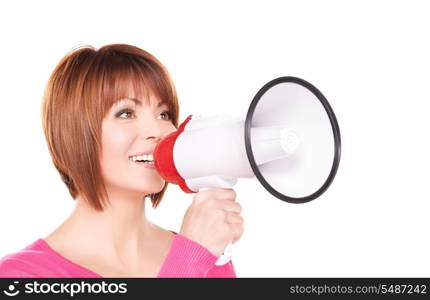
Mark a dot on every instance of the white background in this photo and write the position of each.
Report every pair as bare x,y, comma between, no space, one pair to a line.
371,59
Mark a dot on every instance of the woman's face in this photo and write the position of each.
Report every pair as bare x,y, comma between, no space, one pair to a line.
131,128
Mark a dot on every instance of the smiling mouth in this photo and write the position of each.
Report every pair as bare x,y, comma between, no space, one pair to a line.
143,162
149,159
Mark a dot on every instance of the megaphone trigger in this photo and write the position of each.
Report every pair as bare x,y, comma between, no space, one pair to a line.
200,183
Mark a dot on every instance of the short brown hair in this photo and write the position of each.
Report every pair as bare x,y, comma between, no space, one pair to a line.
79,93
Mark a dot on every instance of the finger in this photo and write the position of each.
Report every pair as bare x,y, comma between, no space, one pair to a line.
230,206
225,194
233,218
237,232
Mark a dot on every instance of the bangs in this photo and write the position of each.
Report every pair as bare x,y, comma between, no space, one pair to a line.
125,76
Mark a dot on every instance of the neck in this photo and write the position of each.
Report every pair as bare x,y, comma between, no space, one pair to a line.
117,233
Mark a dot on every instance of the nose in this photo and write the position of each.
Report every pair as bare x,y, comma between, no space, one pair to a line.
155,130
156,139
154,133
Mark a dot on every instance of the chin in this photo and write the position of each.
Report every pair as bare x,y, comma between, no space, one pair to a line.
153,188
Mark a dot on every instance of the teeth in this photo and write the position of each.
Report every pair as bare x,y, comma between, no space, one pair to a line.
149,158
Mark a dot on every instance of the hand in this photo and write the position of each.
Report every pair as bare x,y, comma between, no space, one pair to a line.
213,220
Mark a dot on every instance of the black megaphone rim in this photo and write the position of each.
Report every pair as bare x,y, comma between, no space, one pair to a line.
336,137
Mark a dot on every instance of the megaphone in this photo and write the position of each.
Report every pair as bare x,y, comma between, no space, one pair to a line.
290,141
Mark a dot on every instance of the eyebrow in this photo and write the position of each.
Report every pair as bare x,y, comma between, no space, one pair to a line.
139,103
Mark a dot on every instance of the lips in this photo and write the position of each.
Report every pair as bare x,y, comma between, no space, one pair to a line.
142,158
148,152
149,165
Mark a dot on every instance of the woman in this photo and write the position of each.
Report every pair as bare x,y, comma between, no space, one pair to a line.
103,113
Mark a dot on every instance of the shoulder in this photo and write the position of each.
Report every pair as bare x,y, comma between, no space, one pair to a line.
21,263
11,267
32,261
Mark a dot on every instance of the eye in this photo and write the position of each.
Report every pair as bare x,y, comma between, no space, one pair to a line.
167,115
124,114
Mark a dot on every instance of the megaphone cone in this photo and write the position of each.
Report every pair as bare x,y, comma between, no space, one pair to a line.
311,138
289,141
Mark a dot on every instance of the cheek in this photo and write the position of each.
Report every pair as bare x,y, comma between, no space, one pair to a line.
115,144
170,128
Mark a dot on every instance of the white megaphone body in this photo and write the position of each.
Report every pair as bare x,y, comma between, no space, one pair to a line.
289,141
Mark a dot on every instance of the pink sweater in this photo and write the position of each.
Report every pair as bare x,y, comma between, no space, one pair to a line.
186,258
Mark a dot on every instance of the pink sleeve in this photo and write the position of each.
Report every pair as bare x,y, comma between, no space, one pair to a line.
187,258
11,268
